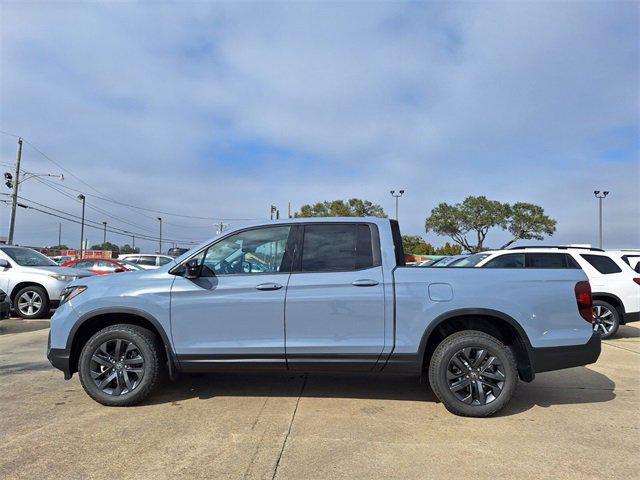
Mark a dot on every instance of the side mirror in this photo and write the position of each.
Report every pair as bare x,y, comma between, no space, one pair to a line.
192,269
4,263
637,269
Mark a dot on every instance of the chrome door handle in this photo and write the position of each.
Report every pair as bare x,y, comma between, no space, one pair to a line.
269,286
364,283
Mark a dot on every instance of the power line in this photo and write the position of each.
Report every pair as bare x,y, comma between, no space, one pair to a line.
106,198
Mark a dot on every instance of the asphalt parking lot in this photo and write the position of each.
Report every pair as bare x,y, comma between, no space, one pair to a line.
578,423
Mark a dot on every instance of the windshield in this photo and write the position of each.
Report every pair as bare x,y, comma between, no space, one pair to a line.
470,261
25,257
444,262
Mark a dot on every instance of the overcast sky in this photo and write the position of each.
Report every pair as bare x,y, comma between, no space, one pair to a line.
220,110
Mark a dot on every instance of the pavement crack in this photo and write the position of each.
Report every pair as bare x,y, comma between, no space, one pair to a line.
284,444
621,348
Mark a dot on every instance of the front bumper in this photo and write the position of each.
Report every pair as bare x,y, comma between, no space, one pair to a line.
59,358
556,358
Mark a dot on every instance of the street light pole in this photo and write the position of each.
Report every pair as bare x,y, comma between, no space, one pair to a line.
397,196
600,195
82,197
14,197
104,235
160,239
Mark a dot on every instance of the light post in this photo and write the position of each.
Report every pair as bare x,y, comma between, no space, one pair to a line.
160,239
82,197
104,235
600,195
397,196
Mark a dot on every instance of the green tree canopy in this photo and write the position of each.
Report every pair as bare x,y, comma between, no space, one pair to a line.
415,244
107,246
354,207
469,222
60,247
126,248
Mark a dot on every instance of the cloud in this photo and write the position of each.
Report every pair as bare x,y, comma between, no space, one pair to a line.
223,109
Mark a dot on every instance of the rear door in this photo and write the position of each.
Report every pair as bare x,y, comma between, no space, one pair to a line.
334,309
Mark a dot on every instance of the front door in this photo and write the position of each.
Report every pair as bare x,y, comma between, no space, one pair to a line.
334,313
233,314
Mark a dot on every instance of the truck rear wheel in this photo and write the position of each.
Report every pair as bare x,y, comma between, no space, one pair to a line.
120,365
473,374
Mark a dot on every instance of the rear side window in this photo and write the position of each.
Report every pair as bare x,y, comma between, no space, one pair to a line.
550,260
336,247
602,264
511,260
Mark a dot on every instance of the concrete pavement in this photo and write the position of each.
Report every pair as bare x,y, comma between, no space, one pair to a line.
578,423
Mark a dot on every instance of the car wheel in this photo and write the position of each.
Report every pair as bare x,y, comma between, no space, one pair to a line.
473,374
120,365
31,302
606,319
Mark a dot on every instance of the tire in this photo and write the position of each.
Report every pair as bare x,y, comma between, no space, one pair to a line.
31,302
606,319
134,380
474,393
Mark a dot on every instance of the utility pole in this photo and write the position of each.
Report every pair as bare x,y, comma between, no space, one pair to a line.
397,196
273,210
600,195
160,239
14,197
82,197
59,233
133,241
221,228
289,210
104,235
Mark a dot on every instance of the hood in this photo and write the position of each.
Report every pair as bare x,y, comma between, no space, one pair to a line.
69,271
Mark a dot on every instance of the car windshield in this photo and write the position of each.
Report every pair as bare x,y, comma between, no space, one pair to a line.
25,257
470,261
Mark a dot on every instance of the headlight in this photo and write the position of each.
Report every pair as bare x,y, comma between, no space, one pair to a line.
71,292
63,278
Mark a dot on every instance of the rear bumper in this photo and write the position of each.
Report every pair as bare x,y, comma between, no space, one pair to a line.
59,358
556,358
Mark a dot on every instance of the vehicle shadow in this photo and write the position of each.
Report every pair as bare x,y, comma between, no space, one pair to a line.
574,386
627,331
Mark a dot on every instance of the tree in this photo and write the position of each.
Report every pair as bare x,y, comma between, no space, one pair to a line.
107,246
339,208
449,249
59,247
126,248
528,222
415,244
475,216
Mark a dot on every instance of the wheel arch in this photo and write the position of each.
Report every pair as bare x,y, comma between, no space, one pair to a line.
492,322
95,321
612,299
21,285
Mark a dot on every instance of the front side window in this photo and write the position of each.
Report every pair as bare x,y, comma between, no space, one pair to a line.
337,247
511,260
146,260
261,250
602,264
164,260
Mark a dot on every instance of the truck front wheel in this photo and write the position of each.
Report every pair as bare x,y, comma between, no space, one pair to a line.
473,374
119,365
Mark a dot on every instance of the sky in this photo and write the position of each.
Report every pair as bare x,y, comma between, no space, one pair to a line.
219,110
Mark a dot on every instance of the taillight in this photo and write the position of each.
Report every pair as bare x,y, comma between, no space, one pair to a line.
583,297
637,280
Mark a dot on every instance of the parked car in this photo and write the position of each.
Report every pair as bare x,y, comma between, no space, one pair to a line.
176,251
447,261
5,305
630,257
615,286
350,305
61,259
103,266
33,281
147,261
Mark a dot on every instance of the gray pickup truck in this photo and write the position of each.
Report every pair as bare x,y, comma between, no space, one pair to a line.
323,295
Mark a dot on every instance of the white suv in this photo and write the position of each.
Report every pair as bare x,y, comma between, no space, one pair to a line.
146,261
615,285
